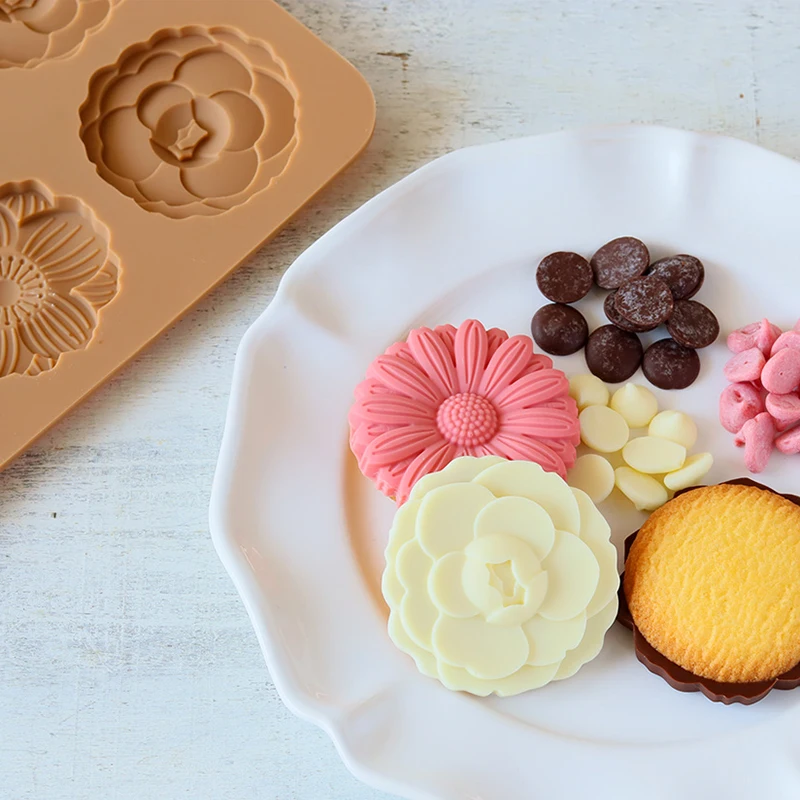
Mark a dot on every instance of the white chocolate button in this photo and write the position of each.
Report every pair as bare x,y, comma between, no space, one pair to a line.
693,470
653,455
603,429
594,475
675,426
637,404
588,390
645,492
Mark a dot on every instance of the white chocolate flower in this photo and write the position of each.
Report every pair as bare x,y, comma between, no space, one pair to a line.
499,577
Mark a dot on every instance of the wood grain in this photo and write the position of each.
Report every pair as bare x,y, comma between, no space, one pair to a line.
128,668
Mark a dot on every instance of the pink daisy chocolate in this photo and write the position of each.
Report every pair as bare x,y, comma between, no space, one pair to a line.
447,392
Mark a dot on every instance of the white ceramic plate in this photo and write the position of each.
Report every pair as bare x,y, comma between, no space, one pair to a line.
302,532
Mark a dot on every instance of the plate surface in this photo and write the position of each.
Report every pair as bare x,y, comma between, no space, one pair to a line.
302,532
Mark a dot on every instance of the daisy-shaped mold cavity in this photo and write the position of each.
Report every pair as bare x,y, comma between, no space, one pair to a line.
57,272
193,122
499,577
449,392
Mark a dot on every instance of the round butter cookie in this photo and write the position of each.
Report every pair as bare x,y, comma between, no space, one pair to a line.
712,582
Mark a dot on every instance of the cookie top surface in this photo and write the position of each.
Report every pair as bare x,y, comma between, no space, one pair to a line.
713,583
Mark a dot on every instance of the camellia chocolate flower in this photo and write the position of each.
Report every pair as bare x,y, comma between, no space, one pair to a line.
194,122
499,577
447,392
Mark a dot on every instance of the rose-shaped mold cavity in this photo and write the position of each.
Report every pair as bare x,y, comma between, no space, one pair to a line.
56,273
448,392
33,31
499,577
194,122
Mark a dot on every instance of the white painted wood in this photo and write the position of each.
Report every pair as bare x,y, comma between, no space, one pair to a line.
128,668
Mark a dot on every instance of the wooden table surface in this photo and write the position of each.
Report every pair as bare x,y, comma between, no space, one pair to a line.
128,668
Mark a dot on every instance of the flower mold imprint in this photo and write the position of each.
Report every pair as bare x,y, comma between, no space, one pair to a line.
446,393
499,577
56,272
194,122
219,95
33,31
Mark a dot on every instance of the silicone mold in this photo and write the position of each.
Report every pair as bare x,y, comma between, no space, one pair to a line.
33,31
56,272
170,141
195,121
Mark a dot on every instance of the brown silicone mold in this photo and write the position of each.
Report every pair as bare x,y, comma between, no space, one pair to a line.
154,147
685,681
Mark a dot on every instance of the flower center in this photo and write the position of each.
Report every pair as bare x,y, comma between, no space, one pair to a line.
9,292
23,289
190,134
502,577
186,140
467,419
